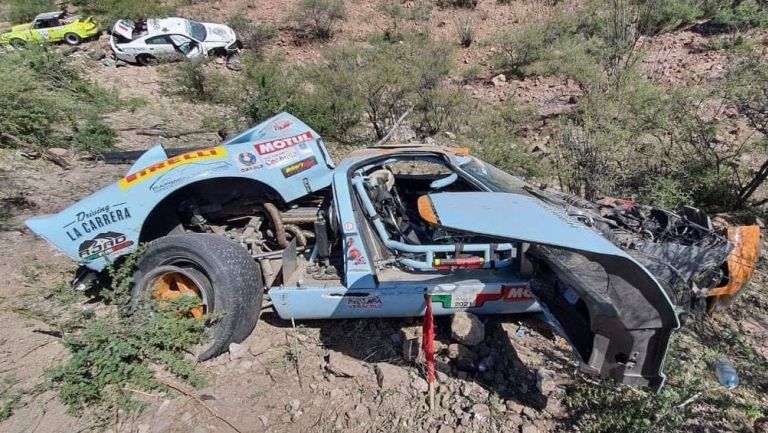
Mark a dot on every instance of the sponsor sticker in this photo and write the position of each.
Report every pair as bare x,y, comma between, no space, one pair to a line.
280,157
281,125
103,245
508,293
248,161
298,167
86,222
364,302
354,255
282,143
463,301
349,226
153,170
183,175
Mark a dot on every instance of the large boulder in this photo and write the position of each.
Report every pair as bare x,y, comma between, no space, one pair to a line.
467,329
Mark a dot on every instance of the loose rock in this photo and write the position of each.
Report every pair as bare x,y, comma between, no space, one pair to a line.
466,328
545,381
390,376
236,351
344,366
529,428
58,151
420,385
97,55
499,80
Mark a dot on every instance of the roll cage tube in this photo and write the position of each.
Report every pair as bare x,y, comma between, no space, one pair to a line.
428,250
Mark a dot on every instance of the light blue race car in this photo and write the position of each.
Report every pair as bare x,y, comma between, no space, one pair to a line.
389,227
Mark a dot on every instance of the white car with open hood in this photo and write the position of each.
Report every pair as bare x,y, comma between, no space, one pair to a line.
153,40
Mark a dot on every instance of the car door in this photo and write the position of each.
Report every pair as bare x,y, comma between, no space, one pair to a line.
185,47
160,47
40,30
48,30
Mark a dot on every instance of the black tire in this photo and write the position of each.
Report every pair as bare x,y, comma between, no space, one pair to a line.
146,60
235,284
18,43
72,39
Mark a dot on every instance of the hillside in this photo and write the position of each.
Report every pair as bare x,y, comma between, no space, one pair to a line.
661,102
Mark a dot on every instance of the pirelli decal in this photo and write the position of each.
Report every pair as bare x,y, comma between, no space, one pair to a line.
153,170
298,167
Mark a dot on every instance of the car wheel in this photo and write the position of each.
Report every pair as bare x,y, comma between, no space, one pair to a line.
18,43
146,60
220,273
72,39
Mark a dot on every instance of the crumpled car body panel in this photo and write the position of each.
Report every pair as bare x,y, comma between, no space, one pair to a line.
628,319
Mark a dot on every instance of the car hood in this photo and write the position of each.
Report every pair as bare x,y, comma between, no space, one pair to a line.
612,310
219,33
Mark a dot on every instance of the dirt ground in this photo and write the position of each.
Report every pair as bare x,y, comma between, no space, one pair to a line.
258,386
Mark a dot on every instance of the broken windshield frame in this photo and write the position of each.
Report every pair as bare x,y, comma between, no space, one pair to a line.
494,178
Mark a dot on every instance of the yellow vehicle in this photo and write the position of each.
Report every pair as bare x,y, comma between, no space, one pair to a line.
52,27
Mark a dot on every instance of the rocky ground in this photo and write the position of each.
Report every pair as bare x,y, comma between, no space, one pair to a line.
501,374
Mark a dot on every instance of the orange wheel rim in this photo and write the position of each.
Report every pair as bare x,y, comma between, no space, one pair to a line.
173,285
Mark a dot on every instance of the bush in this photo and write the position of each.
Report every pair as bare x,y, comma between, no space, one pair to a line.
662,16
317,17
466,4
197,82
93,137
252,35
316,94
551,48
465,31
21,11
742,15
436,109
109,11
110,355
42,94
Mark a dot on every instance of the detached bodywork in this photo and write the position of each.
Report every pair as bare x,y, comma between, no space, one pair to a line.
170,39
52,27
371,237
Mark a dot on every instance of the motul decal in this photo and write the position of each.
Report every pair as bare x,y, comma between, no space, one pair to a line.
282,143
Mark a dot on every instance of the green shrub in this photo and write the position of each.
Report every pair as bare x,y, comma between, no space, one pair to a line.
662,16
436,110
386,77
109,11
254,36
194,80
21,11
111,355
465,31
42,94
93,137
742,15
466,4
317,17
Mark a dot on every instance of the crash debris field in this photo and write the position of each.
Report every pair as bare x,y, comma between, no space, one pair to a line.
383,216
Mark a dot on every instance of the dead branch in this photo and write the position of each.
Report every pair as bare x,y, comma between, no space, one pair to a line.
166,133
198,400
44,153
296,353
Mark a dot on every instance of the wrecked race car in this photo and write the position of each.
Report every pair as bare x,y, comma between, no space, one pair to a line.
268,212
153,40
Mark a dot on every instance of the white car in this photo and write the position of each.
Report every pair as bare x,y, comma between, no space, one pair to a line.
154,40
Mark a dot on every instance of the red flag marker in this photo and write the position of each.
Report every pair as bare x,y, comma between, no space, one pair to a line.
428,345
